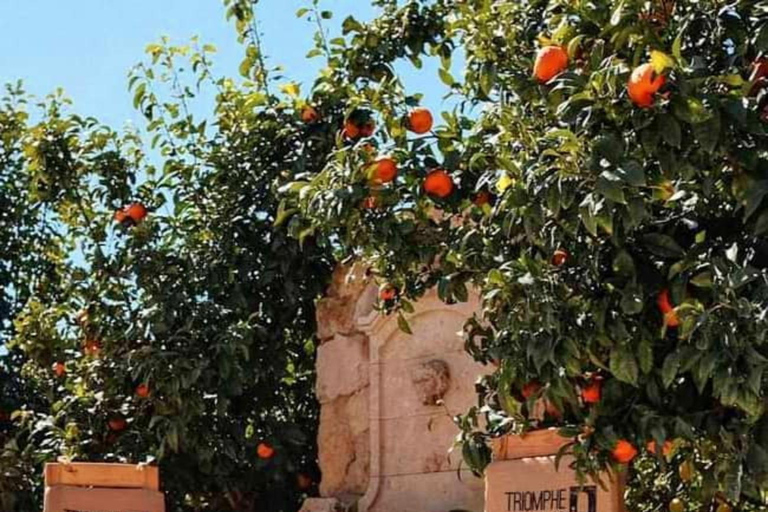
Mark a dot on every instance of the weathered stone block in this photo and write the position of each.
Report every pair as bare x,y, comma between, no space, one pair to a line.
342,367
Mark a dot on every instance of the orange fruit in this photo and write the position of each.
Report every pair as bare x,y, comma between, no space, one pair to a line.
559,257
624,452
482,198
438,184
530,389
667,309
387,292
367,129
137,212
384,170
351,131
92,348
643,83
120,216
309,115
265,451
117,424
593,391
420,120
666,449
59,368
676,505
142,390
550,62
758,69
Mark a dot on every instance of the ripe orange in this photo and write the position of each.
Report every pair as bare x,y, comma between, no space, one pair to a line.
438,183
666,449
667,309
420,120
142,390
265,451
643,83
559,257
482,198
550,62
351,130
384,170
309,115
367,129
676,505
117,424
593,391
624,452
758,69
59,368
137,212
120,216
530,389
92,348
387,292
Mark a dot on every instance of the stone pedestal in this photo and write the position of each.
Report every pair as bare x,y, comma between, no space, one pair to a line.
387,399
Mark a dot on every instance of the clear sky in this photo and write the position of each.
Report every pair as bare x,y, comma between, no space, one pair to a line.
87,46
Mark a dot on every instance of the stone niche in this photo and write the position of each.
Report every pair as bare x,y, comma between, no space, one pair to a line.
387,399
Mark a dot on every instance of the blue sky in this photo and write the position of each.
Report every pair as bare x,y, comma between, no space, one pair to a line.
87,46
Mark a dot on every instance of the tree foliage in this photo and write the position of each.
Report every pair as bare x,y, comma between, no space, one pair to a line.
184,338
657,201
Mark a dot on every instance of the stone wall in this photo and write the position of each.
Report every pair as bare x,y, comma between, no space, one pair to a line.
387,399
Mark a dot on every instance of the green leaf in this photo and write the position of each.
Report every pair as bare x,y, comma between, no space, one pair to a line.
690,110
609,185
670,130
662,245
702,280
487,78
669,369
645,356
446,77
632,173
708,133
402,323
623,365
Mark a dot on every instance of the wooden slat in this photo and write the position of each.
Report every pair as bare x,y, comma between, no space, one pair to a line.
539,443
124,476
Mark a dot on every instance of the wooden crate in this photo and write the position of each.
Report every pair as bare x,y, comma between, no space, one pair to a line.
523,478
87,487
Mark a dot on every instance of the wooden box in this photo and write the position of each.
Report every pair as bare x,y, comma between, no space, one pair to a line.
523,478
83,487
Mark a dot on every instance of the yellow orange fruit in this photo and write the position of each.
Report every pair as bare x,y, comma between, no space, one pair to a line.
624,452
142,390
438,184
384,170
593,391
643,84
420,120
59,369
309,115
559,257
550,62
265,451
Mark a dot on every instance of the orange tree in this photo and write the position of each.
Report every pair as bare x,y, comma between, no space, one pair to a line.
601,184
152,310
